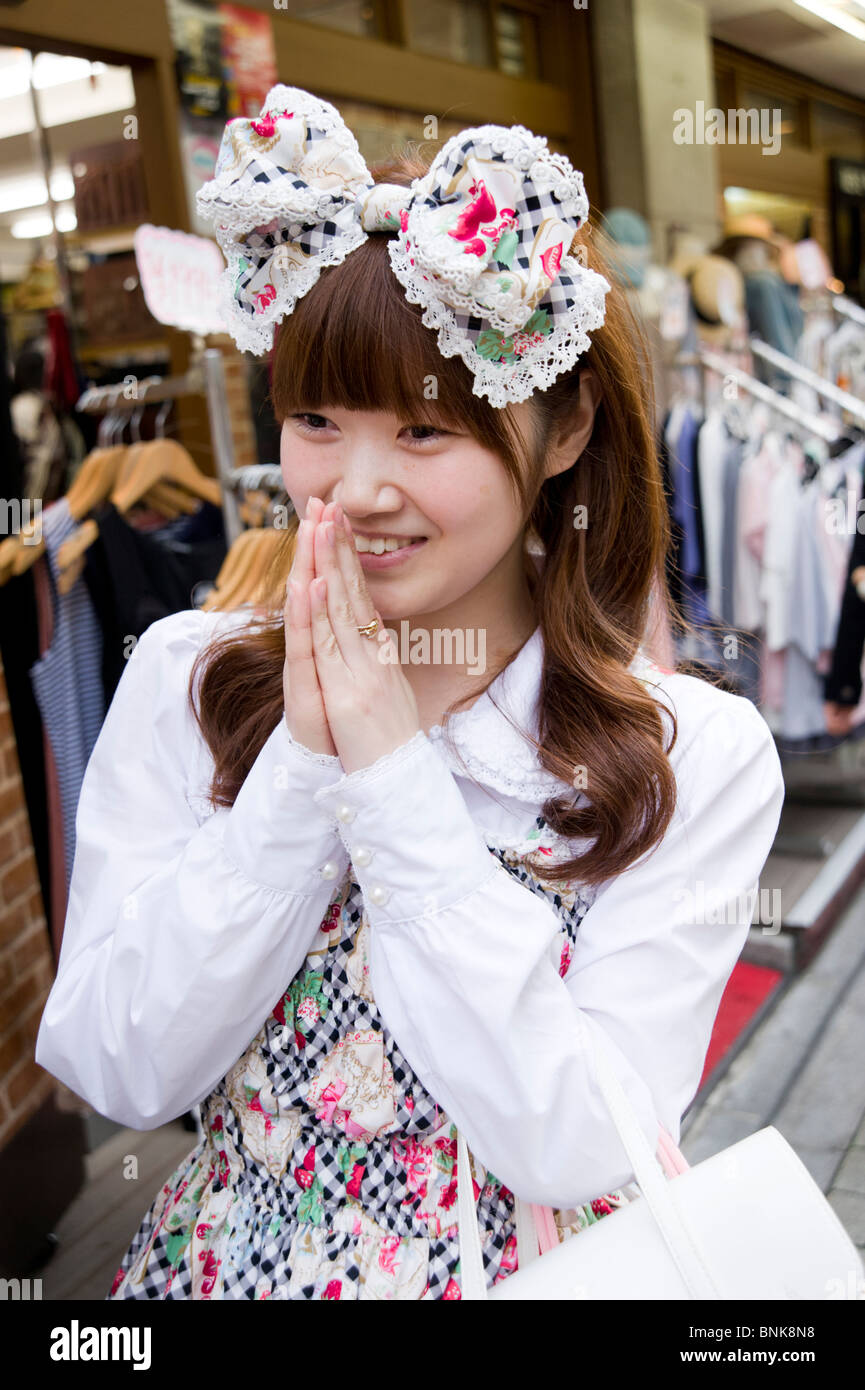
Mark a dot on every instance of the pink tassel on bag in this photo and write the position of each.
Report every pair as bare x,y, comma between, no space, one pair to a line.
671,1159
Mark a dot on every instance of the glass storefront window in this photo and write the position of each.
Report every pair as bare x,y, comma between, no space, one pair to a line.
837,130
454,29
351,16
790,120
516,42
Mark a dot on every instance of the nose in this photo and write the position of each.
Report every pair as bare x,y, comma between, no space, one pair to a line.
363,487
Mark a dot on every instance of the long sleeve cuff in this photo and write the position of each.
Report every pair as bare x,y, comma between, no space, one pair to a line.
408,832
274,810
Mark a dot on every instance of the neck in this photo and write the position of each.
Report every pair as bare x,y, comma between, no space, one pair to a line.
454,650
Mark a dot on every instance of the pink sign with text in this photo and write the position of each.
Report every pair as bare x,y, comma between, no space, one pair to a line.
180,276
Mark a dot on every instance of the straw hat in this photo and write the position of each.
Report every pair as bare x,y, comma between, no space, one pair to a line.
717,289
752,225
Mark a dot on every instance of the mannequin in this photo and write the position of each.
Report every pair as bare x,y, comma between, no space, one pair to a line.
771,304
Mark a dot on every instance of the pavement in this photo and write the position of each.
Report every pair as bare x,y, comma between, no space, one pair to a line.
803,1071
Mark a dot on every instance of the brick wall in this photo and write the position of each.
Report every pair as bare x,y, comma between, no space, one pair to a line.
26,962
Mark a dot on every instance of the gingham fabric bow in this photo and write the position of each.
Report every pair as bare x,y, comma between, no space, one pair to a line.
482,241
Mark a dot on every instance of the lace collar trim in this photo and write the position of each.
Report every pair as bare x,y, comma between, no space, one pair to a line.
481,742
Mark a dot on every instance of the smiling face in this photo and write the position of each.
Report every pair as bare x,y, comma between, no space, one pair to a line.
396,478
402,442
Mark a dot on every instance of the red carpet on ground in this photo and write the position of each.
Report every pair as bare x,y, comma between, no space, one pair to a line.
747,989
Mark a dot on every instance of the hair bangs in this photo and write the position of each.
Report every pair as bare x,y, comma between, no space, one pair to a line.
355,342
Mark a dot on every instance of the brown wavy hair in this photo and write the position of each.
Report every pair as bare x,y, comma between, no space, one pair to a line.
355,342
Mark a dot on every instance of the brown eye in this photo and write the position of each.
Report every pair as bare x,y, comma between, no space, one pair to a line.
304,417
434,433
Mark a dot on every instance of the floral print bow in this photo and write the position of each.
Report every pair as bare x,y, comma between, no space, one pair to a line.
482,241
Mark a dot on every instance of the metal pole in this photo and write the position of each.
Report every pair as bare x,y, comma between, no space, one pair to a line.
814,423
223,445
823,387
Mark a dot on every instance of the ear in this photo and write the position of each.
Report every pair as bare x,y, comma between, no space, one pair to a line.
564,451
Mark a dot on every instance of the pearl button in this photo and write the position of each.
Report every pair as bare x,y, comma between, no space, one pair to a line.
329,870
345,813
361,857
379,895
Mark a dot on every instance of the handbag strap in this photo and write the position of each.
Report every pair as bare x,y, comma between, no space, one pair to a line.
677,1236
650,1178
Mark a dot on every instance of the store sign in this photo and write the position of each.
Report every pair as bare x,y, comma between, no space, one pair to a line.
225,58
225,66
180,277
248,58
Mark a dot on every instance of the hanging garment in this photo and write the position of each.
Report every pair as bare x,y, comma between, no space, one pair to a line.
341,968
58,867
67,678
843,682
136,578
713,445
42,444
19,648
773,311
730,476
813,612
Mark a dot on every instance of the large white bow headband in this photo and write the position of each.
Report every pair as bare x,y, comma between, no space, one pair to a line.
482,240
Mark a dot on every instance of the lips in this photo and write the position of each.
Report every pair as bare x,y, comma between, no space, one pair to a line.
369,560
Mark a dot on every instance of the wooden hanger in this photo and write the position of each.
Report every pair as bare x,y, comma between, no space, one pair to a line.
270,544
94,480
244,575
236,564
164,460
8,551
115,475
91,484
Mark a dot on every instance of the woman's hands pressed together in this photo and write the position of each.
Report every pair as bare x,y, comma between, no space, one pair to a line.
344,693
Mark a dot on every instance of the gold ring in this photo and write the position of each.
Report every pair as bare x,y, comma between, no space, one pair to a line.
369,629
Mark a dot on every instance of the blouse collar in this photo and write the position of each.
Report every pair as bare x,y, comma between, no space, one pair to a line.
482,743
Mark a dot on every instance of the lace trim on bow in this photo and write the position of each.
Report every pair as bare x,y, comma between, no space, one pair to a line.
540,363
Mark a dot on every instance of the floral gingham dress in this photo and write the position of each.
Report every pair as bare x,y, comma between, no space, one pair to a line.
326,1170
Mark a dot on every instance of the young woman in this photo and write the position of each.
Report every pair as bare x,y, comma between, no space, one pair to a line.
349,894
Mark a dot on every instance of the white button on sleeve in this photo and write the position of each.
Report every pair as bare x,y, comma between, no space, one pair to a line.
179,937
407,831
276,801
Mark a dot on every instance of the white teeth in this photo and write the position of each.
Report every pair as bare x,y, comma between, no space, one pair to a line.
380,544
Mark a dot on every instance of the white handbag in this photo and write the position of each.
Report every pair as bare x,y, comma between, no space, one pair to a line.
748,1223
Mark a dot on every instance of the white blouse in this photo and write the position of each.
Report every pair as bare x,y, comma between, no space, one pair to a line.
185,925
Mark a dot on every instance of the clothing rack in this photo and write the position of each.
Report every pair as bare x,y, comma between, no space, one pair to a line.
852,404
259,475
205,377
837,777
815,424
